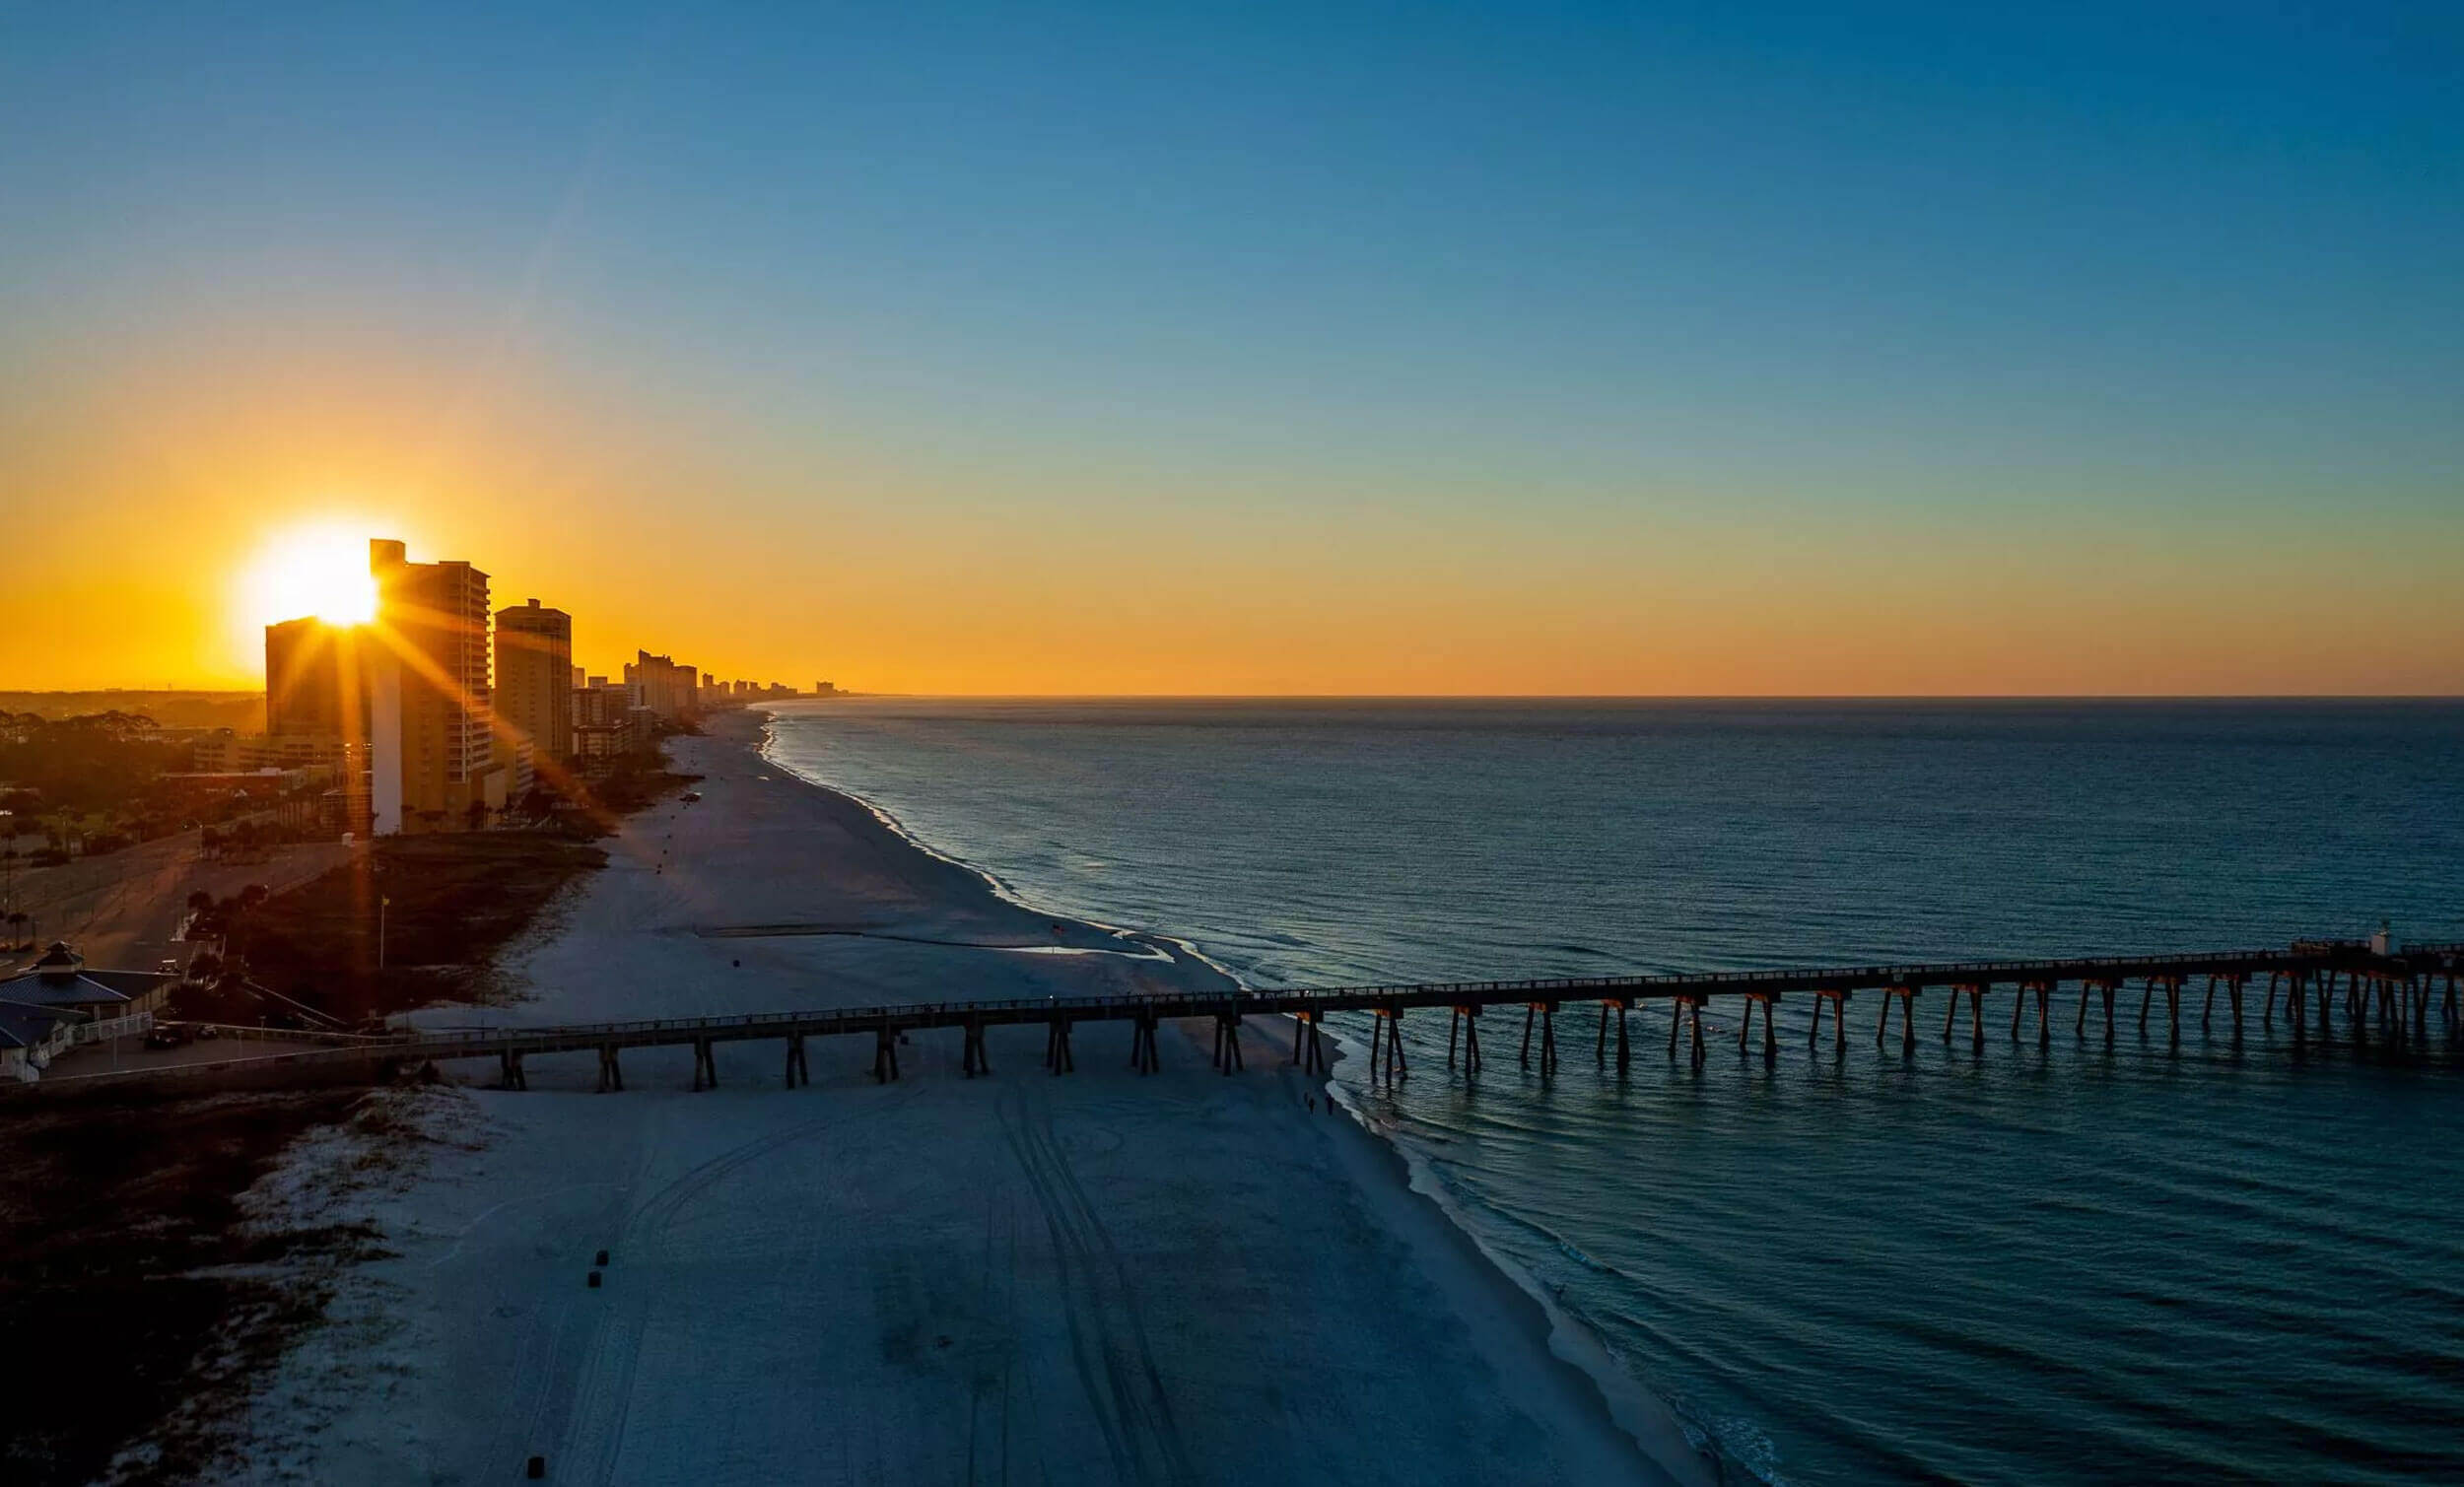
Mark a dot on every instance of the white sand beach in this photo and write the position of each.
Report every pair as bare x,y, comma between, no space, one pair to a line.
1026,1278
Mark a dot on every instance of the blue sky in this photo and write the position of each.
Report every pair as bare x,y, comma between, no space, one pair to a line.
2111,268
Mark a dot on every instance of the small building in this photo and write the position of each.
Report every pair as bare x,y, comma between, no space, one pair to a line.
61,978
30,1035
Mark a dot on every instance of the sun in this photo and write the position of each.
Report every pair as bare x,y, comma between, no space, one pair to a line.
320,571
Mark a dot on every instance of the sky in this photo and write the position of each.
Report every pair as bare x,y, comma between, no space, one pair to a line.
1831,348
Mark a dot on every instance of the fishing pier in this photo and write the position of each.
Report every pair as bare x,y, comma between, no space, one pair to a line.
2312,988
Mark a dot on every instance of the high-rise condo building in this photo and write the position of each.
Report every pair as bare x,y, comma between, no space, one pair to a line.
431,757
534,667
664,685
312,681
317,707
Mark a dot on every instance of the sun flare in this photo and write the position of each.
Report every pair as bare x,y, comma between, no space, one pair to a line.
322,573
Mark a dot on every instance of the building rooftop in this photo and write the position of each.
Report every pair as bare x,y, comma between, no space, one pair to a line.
27,1024
60,979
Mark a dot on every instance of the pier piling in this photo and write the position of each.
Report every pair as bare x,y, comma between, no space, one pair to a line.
1466,1017
1906,994
1836,998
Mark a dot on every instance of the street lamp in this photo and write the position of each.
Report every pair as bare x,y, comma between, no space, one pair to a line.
382,902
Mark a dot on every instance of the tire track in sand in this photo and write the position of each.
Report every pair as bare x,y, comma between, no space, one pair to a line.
1107,1336
605,1387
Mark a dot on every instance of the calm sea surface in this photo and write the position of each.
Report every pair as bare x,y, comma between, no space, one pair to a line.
2227,1260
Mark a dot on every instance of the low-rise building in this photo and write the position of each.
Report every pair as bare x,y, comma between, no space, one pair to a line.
61,978
59,1001
223,752
31,1035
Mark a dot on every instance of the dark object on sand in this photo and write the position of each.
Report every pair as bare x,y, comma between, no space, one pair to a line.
537,1468
595,1280
601,1260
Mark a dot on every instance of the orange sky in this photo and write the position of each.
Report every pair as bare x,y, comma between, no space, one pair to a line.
134,515
140,489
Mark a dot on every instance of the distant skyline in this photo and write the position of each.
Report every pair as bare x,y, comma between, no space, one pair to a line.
1819,351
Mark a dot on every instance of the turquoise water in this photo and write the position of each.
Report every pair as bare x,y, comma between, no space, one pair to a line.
2227,1260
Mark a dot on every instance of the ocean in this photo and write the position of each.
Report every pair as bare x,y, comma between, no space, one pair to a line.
2229,1259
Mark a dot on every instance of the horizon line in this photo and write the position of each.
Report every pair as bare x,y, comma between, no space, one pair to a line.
1432,696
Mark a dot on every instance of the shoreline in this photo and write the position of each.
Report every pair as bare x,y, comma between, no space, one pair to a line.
1111,1255
1665,1440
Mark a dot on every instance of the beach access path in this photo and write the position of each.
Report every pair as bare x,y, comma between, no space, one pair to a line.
1102,1277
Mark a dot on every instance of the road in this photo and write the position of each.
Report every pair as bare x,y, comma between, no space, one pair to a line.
120,911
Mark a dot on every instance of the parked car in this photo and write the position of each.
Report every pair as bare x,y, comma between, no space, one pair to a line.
169,1035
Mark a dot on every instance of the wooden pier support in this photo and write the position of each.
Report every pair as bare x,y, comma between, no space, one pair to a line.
2097,986
1599,1046
1974,992
884,1055
971,1060
2296,999
1143,1042
1546,1011
1836,998
1228,1042
1057,1045
1685,1011
1387,1030
705,1066
1467,1019
2235,982
510,1072
1906,996
1768,1001
2171,986
1308,1045
2392,994
2044,1009
611,1073
798,1072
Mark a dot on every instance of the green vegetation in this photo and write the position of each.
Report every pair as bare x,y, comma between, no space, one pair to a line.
414,920
70,768
240,712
